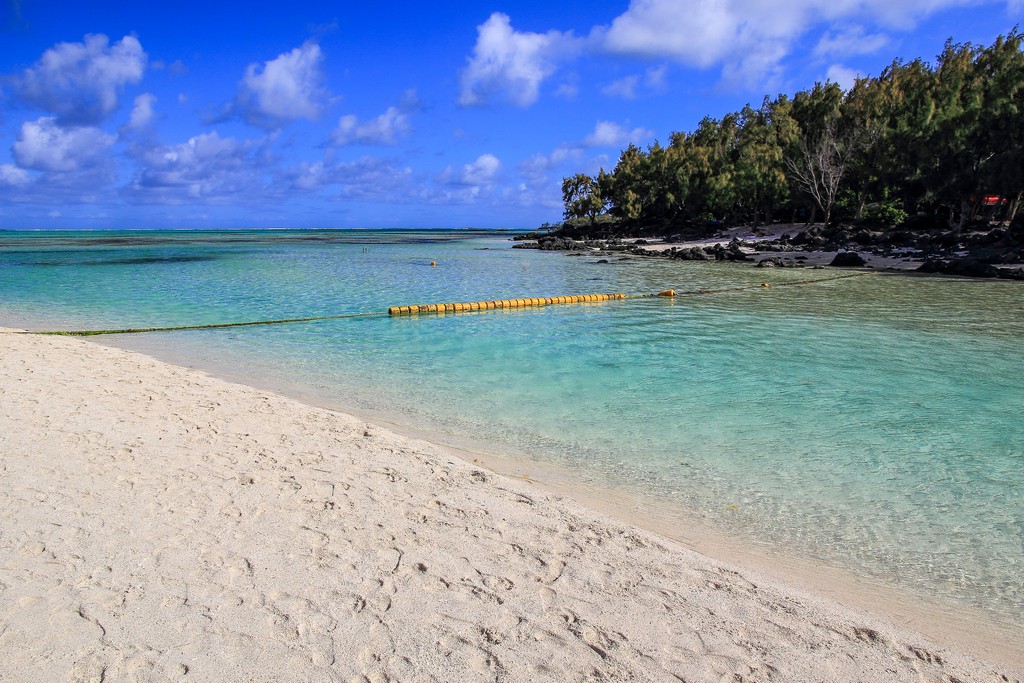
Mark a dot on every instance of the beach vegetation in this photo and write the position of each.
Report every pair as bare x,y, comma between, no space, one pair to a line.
941,143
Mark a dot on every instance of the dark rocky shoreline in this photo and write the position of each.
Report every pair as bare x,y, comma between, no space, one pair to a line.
996,252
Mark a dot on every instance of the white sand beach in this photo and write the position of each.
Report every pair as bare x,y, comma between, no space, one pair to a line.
161,524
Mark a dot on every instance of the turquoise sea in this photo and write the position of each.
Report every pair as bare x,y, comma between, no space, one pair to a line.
873,423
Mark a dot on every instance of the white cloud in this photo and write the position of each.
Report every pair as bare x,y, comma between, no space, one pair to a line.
697,33
373,178
747,39
624,88
541,176
853,41
482,172
13,176
655,77
385,129
569,91
382,130
475,181
750,38
367,178
843,76
510,65
207,168
630,87
286,88
608,134
80,82
539,166
42,145
142,112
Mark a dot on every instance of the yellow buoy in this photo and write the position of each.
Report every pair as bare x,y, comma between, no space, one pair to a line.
433,263
667,292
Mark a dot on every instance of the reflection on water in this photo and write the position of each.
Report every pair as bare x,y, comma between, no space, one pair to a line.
872,422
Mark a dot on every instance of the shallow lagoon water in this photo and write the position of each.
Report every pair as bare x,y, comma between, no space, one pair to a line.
873,423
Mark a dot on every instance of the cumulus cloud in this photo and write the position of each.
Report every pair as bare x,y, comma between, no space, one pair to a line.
142,112
283,89
655,77
539,166
385,129
624,88
470,183
175,68
629,88
368,178
12,176
842,76
374,179
853,41
609,134
698,33
541,177
483,171
749,38
42,145
510,65
206,168
80,82
570,90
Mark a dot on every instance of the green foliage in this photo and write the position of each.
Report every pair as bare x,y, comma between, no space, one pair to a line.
918,138
581,195
884,214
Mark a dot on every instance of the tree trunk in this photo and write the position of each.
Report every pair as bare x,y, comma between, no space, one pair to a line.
862,199
965,215
1011,212
990,213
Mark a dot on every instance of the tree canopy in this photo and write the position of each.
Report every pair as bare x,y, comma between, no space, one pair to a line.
944,140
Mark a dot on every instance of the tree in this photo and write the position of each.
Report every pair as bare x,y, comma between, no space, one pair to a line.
864,119
759,169
812,111
818,167
1001,69
631,185
582,197
930,138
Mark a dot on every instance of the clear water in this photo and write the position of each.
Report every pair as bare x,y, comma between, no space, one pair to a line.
874,423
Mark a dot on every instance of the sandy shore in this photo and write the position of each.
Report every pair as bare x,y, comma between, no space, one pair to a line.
160,524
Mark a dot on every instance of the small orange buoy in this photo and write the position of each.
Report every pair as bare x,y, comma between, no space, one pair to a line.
667,292
766,285
433,263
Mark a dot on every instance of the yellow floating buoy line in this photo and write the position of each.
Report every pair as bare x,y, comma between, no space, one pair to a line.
502,303
460,307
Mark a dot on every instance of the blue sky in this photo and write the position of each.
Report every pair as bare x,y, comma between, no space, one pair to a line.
317,114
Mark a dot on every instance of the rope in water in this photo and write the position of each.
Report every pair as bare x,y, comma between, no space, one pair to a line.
765,285
213,326
446,308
